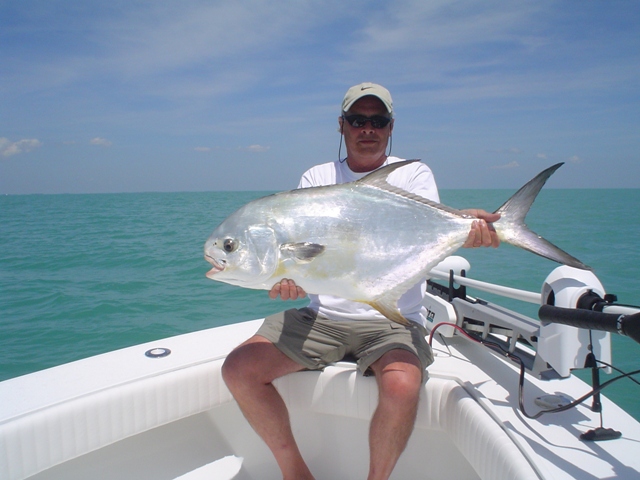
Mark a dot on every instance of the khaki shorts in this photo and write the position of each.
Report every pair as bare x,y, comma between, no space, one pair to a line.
314,341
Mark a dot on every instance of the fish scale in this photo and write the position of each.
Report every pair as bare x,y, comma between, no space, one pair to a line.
365,241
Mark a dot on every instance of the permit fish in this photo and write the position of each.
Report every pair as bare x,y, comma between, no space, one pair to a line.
365,241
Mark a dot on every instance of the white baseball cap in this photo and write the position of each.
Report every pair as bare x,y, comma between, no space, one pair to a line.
356,92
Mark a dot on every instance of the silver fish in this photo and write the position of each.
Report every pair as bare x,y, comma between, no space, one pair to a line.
365,241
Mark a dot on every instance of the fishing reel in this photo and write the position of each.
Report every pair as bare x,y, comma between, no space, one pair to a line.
563,346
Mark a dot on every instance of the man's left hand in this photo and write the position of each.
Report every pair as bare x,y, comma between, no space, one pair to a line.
287,290
482,233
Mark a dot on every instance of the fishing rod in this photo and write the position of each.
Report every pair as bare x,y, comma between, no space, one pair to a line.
627,325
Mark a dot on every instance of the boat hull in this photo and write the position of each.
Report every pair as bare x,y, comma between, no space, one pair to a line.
171,416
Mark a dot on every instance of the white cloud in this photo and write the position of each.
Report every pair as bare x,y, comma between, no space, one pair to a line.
200,49
102,142
256,148
468,50
508,165
542,156
575,159
157,37
9,148
202,149
433,25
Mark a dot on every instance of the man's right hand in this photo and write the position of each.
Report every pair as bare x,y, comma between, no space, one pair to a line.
287,290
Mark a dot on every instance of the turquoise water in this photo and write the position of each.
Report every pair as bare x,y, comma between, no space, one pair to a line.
86,274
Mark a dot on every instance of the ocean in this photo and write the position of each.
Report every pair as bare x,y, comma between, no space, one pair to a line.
85,274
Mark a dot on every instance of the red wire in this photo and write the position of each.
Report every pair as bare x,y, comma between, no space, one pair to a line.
460,329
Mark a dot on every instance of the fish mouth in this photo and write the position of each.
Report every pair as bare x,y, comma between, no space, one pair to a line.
218,266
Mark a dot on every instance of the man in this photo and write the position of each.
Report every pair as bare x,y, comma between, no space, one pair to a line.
397,357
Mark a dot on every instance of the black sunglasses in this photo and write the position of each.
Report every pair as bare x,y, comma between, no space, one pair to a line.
359,121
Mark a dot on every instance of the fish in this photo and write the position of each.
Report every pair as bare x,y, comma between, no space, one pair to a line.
366,241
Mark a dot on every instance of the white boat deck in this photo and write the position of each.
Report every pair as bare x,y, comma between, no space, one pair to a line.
123,415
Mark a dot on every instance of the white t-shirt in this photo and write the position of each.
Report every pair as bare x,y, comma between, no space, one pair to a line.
415,178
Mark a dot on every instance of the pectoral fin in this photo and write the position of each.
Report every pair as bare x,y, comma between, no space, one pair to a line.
303,252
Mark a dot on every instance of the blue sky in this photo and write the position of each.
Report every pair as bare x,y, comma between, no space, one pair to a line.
131,96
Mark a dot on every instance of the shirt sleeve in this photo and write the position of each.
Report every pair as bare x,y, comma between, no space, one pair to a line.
424,184
416,178
306,180
318,176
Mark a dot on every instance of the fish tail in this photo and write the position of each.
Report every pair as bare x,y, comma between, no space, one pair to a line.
512,229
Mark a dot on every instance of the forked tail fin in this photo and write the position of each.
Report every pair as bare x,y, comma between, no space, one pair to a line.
512,229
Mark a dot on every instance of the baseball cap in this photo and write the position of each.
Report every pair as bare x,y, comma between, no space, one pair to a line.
356,92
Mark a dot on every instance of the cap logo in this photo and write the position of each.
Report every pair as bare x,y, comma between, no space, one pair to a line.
364,89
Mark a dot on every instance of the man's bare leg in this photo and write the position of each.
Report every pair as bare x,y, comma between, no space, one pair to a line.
249,372
399,377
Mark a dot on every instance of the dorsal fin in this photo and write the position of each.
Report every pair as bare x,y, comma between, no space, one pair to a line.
378,179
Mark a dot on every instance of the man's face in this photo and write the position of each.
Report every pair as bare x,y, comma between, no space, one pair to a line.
366,146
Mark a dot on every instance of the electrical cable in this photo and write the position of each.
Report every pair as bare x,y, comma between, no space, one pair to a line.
521,379
619,371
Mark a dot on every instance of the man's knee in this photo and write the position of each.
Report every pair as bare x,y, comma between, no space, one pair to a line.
401,386
233,368
257,361
399,376
241,363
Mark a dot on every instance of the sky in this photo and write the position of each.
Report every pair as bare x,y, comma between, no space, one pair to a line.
137,96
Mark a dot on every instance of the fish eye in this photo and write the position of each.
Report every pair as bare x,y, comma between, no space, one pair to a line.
229,245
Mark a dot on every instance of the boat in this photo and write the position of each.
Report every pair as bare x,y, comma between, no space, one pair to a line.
501,401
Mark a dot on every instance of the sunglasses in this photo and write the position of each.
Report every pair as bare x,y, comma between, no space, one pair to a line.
359,121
